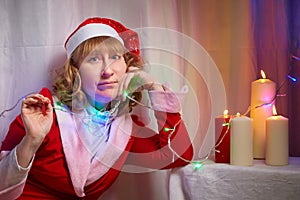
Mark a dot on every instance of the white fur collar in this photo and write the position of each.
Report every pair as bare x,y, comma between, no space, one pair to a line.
84,169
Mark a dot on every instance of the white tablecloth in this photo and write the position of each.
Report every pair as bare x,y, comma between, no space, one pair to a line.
216,181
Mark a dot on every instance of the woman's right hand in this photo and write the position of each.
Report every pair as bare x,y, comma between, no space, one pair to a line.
37,115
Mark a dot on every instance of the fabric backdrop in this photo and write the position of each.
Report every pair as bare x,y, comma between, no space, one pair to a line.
215,47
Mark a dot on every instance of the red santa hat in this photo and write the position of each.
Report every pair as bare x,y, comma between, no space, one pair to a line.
96,26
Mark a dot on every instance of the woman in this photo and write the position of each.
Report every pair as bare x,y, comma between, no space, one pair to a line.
77,151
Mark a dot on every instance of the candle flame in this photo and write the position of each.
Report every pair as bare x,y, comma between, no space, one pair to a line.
225,113
238,114
263,75
274,110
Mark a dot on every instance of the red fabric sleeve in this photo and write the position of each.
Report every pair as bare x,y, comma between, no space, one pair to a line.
150,149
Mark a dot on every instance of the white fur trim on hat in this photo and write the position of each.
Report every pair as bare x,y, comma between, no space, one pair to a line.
89,31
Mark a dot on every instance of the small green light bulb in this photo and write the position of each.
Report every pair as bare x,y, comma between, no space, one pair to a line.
166,129
197,165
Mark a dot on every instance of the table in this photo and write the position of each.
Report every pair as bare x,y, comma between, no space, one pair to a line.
216,181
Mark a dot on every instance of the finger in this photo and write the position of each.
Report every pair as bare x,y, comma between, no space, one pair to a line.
43,99
36,103
36,98
122,90
30,101
127,84
132,69
47,108
167,86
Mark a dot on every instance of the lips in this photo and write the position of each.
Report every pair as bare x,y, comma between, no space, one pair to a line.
106,84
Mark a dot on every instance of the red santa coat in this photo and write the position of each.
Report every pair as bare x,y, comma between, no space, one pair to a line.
62,167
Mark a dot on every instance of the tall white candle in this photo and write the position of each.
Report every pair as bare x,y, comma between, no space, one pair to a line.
241,141
277,140
262,92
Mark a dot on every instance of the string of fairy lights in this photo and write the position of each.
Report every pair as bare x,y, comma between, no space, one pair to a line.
198,163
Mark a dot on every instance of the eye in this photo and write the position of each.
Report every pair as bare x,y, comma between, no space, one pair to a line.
94,59
116,57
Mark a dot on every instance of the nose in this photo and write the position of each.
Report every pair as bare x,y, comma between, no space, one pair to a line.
106,69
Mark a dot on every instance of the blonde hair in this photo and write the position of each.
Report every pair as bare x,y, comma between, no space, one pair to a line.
67,85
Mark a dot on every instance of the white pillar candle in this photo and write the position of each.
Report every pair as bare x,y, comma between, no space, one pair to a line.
262,92
277,140
241,141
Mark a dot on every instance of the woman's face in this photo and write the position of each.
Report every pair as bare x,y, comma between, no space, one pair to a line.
101,72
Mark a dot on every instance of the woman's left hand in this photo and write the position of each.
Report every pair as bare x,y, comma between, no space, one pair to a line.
138,80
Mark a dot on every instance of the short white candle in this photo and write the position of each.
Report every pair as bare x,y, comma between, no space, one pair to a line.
262,92
277,140
241,141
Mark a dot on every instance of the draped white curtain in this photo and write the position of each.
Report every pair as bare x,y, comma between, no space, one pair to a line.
209,45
